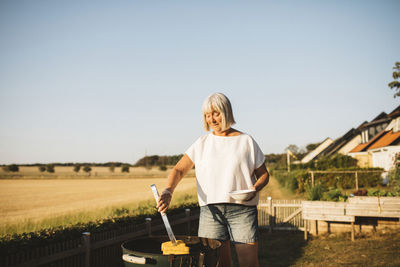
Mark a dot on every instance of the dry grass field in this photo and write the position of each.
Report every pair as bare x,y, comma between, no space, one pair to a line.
36,199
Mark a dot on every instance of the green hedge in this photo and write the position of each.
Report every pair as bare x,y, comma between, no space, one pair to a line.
297,180
337,161
294,180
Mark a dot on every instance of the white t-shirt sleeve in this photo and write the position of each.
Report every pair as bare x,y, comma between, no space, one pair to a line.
258,154
191,151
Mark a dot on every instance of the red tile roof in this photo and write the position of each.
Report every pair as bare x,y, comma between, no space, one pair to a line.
366,146
386,140
359,148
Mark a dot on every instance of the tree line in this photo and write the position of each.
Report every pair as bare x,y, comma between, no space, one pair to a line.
70,164
77,167
157,160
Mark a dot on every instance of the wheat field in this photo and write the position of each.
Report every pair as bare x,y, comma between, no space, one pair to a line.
37,199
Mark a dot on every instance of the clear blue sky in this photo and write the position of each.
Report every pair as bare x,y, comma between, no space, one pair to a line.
98,81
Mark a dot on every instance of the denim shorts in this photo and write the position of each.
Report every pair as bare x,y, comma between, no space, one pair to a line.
236,222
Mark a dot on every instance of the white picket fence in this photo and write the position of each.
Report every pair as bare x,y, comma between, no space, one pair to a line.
277,214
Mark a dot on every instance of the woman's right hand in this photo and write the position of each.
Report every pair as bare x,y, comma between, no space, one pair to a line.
164,200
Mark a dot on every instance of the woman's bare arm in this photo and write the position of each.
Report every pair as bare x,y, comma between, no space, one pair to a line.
262,178
176,175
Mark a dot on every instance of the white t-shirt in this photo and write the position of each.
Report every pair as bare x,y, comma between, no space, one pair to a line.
224,164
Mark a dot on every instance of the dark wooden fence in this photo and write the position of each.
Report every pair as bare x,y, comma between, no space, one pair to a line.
100,249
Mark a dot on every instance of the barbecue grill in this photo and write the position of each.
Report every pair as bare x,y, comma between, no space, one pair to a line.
203,252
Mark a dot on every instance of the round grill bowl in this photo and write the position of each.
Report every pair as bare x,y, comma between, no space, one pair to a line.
147,252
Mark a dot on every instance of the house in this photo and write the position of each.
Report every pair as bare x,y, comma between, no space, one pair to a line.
385,150
314,153
344,143
379,146
360,152
362,134
359,142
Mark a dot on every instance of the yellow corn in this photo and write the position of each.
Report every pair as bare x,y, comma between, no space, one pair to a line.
180,248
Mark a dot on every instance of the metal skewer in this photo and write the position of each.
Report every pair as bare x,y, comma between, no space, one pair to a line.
164,217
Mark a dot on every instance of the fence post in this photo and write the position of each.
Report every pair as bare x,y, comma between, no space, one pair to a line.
312,178
187,213
270,213
357,181
305,229
148,225
86,243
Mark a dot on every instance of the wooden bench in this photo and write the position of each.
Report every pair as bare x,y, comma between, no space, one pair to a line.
388,207
381,207
325,211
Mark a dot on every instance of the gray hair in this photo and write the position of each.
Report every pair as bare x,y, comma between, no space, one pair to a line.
218,102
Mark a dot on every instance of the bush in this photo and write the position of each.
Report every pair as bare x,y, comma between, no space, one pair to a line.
111,168
334,194
345,181
163,168
394,176
125,168
87,169
294,180
50,168
11,168
369,179
395,193
314,192
42,168
77,168
376,192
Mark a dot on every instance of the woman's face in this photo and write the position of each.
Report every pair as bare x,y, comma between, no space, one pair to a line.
214,120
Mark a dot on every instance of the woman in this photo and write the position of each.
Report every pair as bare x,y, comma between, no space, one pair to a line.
226,160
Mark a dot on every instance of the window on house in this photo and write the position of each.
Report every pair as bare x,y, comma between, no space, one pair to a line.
396,127
364,136
372,131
